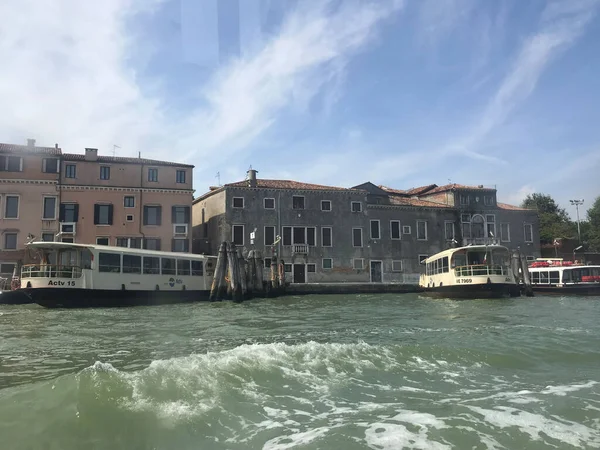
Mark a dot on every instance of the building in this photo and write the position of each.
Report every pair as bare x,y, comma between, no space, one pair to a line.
28,198
88,198
367,233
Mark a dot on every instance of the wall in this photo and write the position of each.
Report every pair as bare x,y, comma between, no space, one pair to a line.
206,235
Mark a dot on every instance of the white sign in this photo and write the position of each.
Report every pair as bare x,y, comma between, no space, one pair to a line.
252,235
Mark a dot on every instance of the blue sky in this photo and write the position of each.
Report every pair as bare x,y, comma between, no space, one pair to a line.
401,93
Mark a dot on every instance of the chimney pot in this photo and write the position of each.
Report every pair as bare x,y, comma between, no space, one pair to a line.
252,177
91,154
30,142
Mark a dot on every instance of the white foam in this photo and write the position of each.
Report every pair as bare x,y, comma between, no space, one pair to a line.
394,436
295,439
565,389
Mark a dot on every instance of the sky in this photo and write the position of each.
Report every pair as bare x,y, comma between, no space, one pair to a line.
397,92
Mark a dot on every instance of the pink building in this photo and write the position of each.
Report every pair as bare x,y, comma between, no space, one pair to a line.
87,198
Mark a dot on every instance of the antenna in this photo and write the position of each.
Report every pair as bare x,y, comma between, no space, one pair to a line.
115,147
218,177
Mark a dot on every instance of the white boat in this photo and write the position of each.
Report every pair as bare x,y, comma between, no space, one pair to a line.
556,276
80,275
474,271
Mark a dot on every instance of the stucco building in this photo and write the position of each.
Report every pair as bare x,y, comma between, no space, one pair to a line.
359,234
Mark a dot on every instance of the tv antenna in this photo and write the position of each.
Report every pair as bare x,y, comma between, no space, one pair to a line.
218,177
115,147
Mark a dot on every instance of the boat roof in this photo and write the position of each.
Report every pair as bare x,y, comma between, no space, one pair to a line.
114,249
451,251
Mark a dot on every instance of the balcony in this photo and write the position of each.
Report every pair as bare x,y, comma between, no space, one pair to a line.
300,249
480,241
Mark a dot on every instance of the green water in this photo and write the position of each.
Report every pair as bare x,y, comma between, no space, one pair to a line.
331,372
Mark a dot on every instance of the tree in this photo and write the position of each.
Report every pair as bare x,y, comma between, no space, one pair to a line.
554,220
593,228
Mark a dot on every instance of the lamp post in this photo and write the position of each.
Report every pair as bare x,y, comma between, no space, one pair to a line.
575,249
577,203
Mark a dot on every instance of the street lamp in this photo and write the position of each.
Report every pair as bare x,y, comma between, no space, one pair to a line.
575,249
577,203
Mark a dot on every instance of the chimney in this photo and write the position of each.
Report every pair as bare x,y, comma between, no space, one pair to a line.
30,142
91,154
56,146
251,176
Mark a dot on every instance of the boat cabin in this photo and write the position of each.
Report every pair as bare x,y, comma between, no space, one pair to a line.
470,261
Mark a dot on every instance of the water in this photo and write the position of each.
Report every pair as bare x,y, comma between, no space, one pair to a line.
354,372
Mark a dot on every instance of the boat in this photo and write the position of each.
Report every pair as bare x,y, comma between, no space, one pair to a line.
474,271
557,276
79,275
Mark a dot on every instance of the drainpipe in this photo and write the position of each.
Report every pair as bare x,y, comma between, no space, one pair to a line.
141,208
279,244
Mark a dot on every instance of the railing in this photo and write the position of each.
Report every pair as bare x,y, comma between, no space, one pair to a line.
471,271
300,248
481,241
50,271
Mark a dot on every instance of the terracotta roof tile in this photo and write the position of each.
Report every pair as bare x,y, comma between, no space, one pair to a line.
404,201
391,190
12,148
123,160
289,184
421,190
449,187
512,208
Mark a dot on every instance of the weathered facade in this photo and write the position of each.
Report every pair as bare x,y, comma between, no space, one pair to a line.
367,233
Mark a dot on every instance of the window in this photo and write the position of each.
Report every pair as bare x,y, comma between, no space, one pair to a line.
358,263
326,237
530,258
151,265
50,165
299,235
152,215
180,214
554,277
238,202
7,268
269,203
49,212
67,240
153,174
395,229
103,214
70,171
375,231
297,202
10,241
311,268
327,263
421,230
491,225
488,200
167,266
311,236
129,201
180,245
129,217
464,199
269,235
396,266
406,229
268,263
287,235
466,225
449,230
505,232
69,212
48,237
238,234
11,207
357,237
197,268
152,244
528,229
104,172
325,205
129,242
180,176
132,264
184,267
101,241
11,163
109,262
287,268
422,258
356,206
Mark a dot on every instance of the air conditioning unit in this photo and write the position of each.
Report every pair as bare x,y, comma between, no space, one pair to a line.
68,228
180,229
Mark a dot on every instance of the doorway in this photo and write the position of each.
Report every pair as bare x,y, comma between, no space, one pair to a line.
376,271
299,273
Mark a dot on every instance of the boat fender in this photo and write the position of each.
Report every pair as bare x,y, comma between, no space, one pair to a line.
183,288
122,287
157,288
441,284
29,284
489,281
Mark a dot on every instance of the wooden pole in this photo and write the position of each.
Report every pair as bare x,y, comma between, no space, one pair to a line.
282,275
258,264
234,273
216,289
242,270
274,274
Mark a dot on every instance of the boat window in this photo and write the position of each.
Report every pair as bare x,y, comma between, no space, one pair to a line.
168,266
585,272
576,275
197,268
544,277
535,277
68,258
566,276
183,267
445,266
109,262
459,259
554,277
132,264
86,259
151,265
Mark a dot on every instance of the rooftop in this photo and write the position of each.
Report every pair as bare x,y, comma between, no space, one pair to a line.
30,149
289,184
123,160
406,201
512,208
455,186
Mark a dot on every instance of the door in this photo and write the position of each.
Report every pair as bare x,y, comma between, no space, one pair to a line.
299,273
376,272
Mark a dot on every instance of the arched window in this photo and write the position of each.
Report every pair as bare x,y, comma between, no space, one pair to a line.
477,226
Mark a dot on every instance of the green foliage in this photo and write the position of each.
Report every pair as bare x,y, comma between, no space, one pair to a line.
554,220
592,232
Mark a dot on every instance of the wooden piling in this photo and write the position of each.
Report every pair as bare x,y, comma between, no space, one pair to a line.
258,280
234,273
218,284
282,275
242,270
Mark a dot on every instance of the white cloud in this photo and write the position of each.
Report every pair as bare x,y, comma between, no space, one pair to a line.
516,197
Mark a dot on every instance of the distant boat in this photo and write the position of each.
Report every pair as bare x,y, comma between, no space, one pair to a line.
474,271
556,276
80,275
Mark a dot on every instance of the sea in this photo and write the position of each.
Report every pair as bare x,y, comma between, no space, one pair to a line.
310,372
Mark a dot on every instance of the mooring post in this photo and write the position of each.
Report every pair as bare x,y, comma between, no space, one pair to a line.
234,273
242,270
258,263
282,275
216,289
